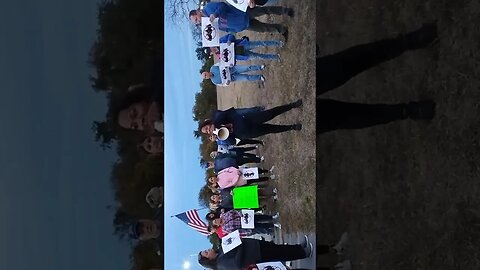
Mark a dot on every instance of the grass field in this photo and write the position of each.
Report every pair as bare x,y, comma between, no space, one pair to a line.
408,192
292,153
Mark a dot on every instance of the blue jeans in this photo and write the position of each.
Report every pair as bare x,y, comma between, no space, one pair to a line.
254,55
261,43
237,73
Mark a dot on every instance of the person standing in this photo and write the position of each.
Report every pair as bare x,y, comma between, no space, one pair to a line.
233,20
250,125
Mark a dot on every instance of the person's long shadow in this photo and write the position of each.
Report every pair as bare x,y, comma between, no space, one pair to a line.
337,69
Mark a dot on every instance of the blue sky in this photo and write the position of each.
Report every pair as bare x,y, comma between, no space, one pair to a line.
183,175
54,179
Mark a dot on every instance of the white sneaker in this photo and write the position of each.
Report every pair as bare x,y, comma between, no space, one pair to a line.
276,216
279,59
309,250
256,146
345,265
272,176
282,44
305,242
275,198
262,67
262,78
271,169
262,158
340,246
278,225
275,191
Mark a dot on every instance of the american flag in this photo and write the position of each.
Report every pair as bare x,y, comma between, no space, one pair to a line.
192,219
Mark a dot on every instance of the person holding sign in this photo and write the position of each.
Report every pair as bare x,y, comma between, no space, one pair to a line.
233,20
250,124
233,177
253,251
225,198
237,74
244,47
231,221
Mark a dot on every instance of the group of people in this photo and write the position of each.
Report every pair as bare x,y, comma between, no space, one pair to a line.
245,125
232,20
243,52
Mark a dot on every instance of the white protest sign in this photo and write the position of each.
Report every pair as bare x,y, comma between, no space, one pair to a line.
249,173
222,148
210,33
231,241
271,266
239,4
225,75
248,219
227,54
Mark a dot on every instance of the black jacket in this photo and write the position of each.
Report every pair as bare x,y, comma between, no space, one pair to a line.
240,257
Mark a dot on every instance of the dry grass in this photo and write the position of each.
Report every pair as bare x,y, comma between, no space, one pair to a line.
407,192
292,153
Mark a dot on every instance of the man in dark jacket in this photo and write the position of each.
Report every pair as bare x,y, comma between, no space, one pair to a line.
233,20
251,124
253,251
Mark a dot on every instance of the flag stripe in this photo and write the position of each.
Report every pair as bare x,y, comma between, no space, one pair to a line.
193,220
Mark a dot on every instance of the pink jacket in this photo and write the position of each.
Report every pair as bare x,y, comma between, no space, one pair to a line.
230,177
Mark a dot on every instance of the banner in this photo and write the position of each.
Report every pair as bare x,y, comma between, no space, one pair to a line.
227,55
249,173
245,197
231,241
248,219
271,266
239,4
225,75
210,33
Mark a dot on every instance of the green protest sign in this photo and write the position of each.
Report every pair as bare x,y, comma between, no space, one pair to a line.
245,197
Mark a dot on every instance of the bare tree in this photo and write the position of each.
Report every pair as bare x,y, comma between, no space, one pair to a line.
178,9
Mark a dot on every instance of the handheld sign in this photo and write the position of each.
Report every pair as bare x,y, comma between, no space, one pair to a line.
248,219
225,74
227,55
245,197
210,33
239,4
249,173
271,266
222,148
231,241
